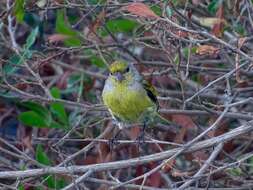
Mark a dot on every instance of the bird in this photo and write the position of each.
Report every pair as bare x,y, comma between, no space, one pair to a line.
128,96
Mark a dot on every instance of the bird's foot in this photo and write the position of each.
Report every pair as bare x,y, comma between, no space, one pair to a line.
113,142
140,139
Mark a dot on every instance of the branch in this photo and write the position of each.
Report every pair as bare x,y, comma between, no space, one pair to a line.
246,128
78,180
11,29
204,167
200,113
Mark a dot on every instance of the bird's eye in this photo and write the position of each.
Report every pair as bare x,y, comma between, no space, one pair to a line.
127,69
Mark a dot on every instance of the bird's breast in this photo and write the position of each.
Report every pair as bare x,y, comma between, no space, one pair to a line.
126,102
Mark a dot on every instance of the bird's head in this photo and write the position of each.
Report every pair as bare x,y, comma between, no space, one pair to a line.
121,71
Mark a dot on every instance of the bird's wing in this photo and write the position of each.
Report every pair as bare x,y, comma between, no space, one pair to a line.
151,92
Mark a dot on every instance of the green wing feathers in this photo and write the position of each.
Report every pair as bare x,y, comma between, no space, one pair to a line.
151,92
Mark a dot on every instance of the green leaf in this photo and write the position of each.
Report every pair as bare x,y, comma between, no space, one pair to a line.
54,183
73,80
175,2
176,59
34,20
31,118
120,25
97,61
39,109
58,108
72,41
31,38
194,49
41,156
59,111
38,188
240,30
55,92
63,27
19,10
60,183
250,161
94,59
40,116
96,2
213,6
186,51
157,10
73,83
36,107
235,171
9,67
21,187
51,180
56,125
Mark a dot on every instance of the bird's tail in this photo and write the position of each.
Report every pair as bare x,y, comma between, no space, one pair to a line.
161,119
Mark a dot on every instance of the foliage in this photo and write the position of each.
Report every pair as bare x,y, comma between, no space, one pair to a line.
42,117
54,62
63,27
26,53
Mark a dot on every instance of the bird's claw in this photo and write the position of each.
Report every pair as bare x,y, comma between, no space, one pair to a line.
113,141
141,139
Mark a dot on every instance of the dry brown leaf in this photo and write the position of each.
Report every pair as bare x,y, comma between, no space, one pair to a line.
180,136
207,49
139,172
178,173
21,86
241,41
134,132
186,124
218,28
154,179
63,80
182,34
200,155
57,2
57,38
97,23
210,22
184,121
140,9
27,142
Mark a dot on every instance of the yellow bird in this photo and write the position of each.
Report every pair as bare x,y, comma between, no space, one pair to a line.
128,97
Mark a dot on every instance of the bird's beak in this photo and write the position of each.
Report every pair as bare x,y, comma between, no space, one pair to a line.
119,76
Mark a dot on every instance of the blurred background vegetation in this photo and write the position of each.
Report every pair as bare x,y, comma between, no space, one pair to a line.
54,56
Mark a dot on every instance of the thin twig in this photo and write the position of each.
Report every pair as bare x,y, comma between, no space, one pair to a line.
78,180
207,163
244,129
